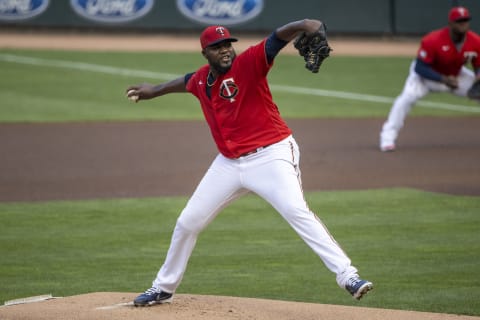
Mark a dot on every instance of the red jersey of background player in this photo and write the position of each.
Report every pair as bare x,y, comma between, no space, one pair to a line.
439,51
240,111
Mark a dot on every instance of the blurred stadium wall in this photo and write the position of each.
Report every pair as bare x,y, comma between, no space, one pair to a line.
349,17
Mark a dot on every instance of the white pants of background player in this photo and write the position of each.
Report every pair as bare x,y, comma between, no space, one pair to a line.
416,88
273,173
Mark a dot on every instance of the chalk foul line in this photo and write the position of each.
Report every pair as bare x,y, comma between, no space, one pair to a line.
90,67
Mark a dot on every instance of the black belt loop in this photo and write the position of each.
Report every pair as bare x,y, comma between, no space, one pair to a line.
254,151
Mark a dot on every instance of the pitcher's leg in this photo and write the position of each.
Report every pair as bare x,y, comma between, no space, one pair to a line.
292,206
219,186
278,182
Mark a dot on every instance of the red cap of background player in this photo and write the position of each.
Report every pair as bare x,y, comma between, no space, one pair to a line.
215,34
458,13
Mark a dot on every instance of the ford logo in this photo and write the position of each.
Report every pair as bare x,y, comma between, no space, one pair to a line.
21,9
112,11
226,12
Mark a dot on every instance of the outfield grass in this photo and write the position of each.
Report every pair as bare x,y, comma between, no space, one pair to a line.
59,86
420,249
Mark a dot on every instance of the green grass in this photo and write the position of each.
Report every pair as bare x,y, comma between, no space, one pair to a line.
43,93
420,249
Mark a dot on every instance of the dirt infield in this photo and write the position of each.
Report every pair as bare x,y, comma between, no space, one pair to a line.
111,160
71,161
199,307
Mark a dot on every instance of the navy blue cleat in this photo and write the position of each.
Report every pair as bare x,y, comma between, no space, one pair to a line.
152,296
358,287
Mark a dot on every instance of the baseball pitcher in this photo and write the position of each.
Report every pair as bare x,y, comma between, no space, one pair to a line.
257,152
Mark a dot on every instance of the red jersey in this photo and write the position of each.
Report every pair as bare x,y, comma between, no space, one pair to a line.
438,50
240,113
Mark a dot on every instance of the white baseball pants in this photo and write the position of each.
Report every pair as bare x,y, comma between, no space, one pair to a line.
416,88
273,173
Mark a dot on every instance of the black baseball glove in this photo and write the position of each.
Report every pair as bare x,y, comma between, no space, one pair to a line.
313,48
474,91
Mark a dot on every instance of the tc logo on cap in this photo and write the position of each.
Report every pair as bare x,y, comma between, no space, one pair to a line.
215,34
220,31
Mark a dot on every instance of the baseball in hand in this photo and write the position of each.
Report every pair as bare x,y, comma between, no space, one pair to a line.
131,96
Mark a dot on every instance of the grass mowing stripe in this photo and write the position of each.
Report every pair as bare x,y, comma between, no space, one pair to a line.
168,76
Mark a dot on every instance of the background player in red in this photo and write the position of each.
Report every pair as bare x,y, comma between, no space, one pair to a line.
257,153
439,67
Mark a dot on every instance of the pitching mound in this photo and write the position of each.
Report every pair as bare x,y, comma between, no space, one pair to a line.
118,306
